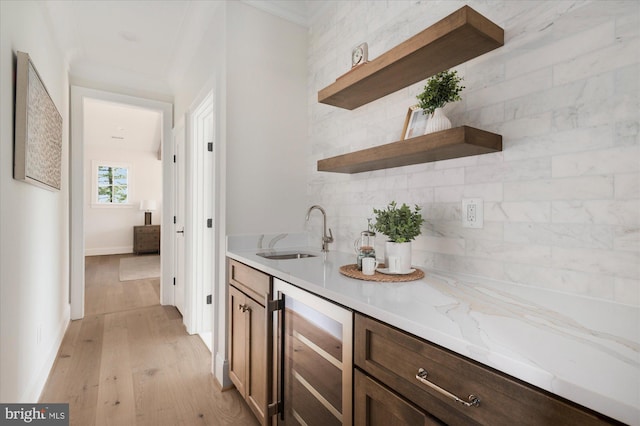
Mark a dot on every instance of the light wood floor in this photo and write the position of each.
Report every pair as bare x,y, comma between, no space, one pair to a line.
130,361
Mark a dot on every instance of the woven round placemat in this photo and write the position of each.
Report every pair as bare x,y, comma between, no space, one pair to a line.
351,271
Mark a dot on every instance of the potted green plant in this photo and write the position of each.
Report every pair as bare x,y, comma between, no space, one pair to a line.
441,89
401,225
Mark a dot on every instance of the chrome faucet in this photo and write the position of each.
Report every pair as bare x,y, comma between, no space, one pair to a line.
326,239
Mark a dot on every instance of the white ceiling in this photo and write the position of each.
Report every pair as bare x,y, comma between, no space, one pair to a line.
121,127
142,44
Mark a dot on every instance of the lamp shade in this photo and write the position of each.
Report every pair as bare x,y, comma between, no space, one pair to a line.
148,205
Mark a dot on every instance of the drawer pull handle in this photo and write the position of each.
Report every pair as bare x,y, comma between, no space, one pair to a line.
474,401
244,307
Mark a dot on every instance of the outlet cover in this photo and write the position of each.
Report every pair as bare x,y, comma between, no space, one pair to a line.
472,213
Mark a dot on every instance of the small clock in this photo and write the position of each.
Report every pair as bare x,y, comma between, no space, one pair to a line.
359,55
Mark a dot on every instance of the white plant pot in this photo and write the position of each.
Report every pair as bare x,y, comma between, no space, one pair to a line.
437,122
401,250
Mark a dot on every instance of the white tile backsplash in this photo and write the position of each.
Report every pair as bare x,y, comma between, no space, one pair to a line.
606,162
608,212
627,186
619,263
580,188
518,211
561,202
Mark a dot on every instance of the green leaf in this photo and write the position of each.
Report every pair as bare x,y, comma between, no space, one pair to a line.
400,225
441,89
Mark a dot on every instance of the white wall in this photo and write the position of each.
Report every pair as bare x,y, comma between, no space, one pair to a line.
561,201
109,230
255,64
34,244
266,122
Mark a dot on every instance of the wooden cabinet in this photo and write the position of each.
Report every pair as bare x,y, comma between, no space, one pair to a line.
146,239
315,359
377,405
250,343
450,388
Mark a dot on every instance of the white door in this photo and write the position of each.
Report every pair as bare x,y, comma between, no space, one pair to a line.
206,136
179,215
200,250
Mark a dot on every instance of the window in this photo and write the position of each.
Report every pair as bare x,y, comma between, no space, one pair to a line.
111,184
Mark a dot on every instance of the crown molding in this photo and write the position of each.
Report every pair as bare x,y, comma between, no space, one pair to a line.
292,11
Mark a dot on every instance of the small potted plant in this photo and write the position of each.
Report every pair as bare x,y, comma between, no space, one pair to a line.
401,226
441,89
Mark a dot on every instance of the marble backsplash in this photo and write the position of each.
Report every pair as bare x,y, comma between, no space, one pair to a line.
561,201
264,242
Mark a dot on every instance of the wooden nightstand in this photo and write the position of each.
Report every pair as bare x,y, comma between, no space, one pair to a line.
146,239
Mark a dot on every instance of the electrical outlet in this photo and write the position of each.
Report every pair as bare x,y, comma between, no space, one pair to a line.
472,213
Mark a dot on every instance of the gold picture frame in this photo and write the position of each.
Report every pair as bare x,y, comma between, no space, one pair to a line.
415,123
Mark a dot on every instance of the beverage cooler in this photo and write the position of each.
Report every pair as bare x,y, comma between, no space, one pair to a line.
313,362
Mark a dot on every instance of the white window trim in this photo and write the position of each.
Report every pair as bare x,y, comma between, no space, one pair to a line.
94,185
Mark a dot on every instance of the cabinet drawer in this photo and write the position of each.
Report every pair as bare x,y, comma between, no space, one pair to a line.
146,230
395,357
146,239
253,282
375,405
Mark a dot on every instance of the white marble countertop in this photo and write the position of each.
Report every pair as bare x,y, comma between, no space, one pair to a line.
585,350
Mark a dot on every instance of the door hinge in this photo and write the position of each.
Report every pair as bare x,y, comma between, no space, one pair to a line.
210,146
174,158
275,305
209,223
274,408
209,299
174,280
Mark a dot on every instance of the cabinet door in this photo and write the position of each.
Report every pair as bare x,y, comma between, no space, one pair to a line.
257,368
376,405
395,358
237,339
315,358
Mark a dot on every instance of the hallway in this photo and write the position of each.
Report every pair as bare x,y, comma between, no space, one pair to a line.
131,362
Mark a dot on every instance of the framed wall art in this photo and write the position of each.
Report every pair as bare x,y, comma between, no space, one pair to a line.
37,153
415,123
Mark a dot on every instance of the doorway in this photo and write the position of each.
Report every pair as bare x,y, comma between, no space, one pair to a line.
80,197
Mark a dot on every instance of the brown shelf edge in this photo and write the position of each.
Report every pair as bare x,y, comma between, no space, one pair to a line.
458,142
457,38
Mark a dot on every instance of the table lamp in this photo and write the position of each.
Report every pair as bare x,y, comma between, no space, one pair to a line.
148,206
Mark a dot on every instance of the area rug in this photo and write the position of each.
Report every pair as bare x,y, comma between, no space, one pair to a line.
139,267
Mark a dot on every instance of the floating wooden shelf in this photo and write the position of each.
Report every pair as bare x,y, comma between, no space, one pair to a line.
453,143
463,35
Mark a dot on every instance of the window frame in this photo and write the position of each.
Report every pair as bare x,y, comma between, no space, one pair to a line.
95,164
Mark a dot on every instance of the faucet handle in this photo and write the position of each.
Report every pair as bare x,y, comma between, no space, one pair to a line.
329,239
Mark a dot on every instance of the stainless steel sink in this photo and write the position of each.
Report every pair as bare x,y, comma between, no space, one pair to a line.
285,255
